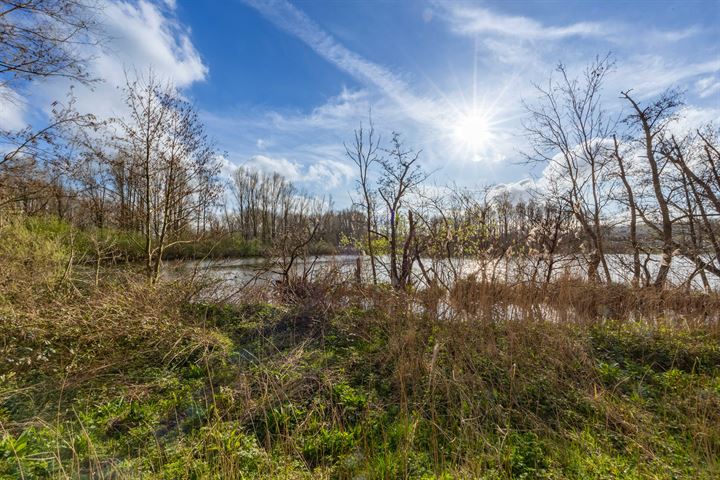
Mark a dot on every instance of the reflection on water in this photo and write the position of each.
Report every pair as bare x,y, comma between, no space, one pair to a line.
235,272
229,277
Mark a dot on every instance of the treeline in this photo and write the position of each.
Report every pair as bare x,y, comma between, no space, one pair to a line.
155,176
635,184
263,205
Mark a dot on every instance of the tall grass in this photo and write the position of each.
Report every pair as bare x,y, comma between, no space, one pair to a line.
338,380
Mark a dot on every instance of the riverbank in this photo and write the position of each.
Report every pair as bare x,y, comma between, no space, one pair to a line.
334,380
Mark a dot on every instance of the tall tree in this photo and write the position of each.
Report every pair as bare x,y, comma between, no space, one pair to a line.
39,39
569,131
175,163
401,174
364,154
653,120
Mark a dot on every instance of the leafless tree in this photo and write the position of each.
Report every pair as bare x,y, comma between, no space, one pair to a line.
39,39
696,161
174,161
401,174
43,38
364,153
569,131
628,199
33,152
653,120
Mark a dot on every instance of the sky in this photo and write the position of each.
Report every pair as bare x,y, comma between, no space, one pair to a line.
282,84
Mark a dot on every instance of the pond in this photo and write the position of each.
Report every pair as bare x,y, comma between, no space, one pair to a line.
234,273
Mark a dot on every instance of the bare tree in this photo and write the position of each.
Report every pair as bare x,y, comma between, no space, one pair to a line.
569,131
29,148
41,38
263,204
401,174
696,160
364,153
171,156
629,200
653,120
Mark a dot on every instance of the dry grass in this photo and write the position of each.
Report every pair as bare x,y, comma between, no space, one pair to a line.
338,380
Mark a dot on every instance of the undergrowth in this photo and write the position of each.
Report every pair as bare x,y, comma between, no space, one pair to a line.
123,380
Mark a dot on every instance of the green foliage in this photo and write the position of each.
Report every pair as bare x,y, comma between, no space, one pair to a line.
527,458
661,348
326,445
35,245
351,402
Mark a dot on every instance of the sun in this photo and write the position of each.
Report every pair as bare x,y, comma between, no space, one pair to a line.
472,130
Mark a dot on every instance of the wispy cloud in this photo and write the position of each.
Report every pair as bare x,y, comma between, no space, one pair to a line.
295,22
468,19
473,20
708,86
339,111
651,74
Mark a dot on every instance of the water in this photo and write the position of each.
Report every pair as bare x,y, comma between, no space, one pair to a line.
234,273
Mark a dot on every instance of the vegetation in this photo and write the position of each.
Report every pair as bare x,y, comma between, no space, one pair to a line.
123,380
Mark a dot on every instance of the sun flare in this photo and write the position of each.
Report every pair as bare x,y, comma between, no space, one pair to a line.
472,130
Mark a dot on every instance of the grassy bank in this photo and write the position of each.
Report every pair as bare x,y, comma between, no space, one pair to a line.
119,246
336,381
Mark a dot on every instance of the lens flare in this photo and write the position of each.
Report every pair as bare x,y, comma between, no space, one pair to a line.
472,130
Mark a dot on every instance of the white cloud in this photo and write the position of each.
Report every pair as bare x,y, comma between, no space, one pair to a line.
473,20
707,86
691,118
283,166
145,36
330,173
514,192
12,109
324,174
138,35
337,112
669,36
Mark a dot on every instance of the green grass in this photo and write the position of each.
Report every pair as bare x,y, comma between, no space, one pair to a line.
115,245
285,400
129,381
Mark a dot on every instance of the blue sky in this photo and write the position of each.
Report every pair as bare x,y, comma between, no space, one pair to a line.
282,84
